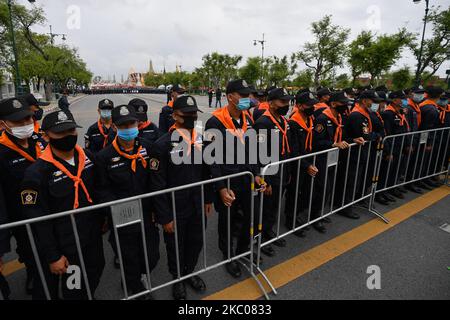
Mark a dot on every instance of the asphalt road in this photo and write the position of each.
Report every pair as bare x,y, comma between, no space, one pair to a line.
413,255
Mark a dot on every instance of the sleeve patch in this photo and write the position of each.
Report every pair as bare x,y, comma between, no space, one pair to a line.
154,164
28,197
319,128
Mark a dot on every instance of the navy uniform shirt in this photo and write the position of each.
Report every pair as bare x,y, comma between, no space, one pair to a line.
166,120
46,190
149,132
167,172
5,245
95,141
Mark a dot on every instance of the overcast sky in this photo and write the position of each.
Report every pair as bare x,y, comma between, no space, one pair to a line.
115,35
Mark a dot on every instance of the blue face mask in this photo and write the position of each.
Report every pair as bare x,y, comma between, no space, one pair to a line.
404,103
375,107
442,102
105,114
244,104
418,98
128,134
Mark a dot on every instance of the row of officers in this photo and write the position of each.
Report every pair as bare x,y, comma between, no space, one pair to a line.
43,171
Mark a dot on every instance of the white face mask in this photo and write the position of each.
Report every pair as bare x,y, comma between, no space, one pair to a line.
24,132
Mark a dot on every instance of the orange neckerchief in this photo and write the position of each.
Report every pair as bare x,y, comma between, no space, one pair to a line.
337,122
132,157
263,106
285,144
401,116
320,106
102,132
189,140
170,104
48,156
37,127
223,115
299,120
365,113
144,125
6,141
442,112
416,108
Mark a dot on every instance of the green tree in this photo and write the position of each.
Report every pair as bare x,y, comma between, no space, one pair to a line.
279,70
251,71
436,50
401,79
304,79
220,68
328,49
342,81
376,54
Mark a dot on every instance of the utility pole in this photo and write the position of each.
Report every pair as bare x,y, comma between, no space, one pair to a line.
419,62
263,44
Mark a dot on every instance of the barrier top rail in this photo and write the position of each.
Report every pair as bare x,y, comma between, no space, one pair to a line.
121,201
414,133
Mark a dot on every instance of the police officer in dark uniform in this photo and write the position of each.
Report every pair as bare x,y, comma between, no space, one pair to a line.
263,103
301,125
395,123
362,130
123,171
63,102
165,117
147,129
36,107
185,144
62,179
431,118
20,146
273,122
324,95
101,134
330,131
233,119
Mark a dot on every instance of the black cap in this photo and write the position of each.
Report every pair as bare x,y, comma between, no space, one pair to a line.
141,108
434,91
383,96
306,98
323,92
399,94
382,88
59,121
369,94
178,88
186,104
261,93
123,114
339,96
14,109
279,94
32,101
306,90
418,89
252,87
239,86
106,104
350,91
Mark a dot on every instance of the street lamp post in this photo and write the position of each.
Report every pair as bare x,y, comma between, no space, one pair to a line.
18,80
53,35
419,62
262,43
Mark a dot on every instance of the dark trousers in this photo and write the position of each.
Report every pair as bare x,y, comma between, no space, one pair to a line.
190,244
210,100
132,249
243,198
219,101
94,261
4,288
270,210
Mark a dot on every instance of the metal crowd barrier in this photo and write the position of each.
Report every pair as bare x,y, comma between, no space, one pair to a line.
128,212
414,156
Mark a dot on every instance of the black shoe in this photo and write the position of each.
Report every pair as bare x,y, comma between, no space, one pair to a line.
327,220
29,283
349,214
197,284
379,198
432,184
402,190
270,235
424,186
388,197
413,188
320,227
397,194
179,291
234,269
268,251
300,233
116,262
280,243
